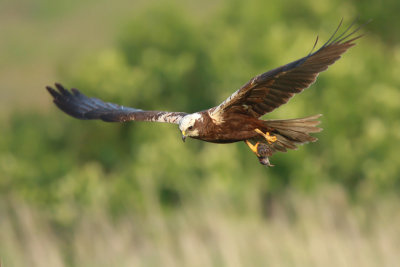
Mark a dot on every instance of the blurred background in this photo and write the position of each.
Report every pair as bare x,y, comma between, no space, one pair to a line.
88,193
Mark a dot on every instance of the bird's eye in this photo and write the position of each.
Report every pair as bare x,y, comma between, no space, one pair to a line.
190,128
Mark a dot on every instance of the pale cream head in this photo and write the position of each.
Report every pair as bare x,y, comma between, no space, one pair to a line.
186,125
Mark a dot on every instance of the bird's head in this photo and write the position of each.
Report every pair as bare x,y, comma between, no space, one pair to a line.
189,126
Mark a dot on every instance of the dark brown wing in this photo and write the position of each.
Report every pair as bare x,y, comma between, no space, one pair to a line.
77,105
269,90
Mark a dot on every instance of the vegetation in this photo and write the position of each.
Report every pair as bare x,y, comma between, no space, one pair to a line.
80,193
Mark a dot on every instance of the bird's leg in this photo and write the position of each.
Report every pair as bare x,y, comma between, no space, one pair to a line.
253,148
270,139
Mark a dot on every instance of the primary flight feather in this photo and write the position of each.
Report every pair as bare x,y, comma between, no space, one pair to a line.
236,118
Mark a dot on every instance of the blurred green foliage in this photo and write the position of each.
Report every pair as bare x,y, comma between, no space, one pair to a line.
167,59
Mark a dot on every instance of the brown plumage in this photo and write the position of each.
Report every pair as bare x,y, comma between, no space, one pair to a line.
237,118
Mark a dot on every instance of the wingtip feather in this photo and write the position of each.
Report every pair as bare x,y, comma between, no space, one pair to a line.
52,92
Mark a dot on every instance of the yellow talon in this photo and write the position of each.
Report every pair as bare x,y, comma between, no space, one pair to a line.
271,139
253,148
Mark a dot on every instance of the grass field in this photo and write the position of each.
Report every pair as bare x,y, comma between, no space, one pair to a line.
297,230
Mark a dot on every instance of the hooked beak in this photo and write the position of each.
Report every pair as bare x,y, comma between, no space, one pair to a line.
183,136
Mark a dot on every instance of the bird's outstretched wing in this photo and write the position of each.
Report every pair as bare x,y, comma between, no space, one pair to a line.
269,90
78,105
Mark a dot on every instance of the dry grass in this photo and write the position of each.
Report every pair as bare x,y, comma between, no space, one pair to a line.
324,230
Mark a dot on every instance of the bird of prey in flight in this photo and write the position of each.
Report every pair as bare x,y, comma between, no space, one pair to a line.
238,117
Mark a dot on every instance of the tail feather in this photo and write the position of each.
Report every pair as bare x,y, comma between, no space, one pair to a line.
285,142
303,124
293,132
297,136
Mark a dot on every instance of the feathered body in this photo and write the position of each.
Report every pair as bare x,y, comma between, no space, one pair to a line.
238,128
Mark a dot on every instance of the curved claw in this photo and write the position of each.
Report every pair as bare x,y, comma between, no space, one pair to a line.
252,147
270,138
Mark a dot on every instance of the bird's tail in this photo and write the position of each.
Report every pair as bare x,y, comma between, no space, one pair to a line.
293,132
